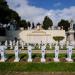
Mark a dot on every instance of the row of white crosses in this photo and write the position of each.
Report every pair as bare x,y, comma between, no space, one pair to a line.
16,50
13,43
43,47
69,53
56,59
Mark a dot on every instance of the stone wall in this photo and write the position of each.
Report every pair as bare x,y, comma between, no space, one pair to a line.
3,38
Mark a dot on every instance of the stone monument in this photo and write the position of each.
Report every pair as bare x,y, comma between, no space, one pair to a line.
71,32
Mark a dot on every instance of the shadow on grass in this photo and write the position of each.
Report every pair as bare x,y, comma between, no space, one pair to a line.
10,56
23,57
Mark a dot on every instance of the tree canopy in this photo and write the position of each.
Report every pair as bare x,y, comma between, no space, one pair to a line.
65,24
23,23
7,14
33,26
47,23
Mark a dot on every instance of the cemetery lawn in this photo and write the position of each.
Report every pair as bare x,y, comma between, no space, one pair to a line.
36,67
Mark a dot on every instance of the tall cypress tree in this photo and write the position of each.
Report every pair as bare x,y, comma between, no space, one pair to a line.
47,23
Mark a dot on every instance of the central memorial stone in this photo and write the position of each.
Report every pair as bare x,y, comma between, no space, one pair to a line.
38,35
46,36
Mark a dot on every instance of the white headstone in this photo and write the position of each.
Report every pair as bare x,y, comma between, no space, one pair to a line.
6,43
11,44
69,53
43,47
29,53
2,52
16,50
56,59
17,43
22,44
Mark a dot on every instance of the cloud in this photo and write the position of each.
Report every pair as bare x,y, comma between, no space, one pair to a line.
36,14
66,13
26,11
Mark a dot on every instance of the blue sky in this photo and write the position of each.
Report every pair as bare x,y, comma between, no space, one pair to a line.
36,10
52,4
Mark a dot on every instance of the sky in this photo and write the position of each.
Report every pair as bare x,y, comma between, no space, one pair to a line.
36,10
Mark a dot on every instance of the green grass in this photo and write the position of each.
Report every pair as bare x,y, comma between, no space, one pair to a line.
37,67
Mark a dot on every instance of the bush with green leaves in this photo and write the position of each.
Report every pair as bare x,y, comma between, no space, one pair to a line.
37,47
47,46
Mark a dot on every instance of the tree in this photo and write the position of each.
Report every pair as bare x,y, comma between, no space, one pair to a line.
28,24
3,11
65,24
38,24
33,26
23,23
7,14
2,32
14,16
47,23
